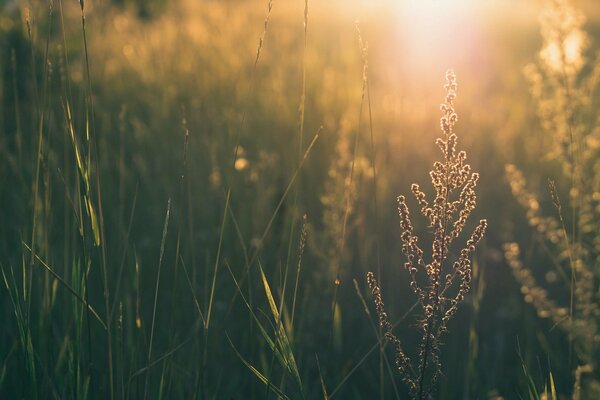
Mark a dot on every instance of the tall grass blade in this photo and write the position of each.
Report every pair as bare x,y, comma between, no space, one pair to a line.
281,336
162,250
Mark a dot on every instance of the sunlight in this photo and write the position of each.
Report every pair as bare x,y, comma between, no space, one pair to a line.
438,31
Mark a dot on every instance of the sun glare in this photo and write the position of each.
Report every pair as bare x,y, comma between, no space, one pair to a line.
432,31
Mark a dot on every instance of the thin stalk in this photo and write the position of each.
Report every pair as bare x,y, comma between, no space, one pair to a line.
436,299
379,335
369,352
19,133
160,258
39,153
300,252
235,156
218,259
278,208
67,286
125,246
342,241
300,147
375,202
90,121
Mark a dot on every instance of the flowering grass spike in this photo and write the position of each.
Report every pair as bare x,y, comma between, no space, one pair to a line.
446,279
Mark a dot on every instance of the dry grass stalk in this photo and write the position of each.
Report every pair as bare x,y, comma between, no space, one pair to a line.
447,281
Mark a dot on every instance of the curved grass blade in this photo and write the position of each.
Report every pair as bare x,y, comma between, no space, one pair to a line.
68,287
262,330
258,374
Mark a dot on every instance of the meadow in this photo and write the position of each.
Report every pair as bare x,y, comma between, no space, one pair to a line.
299,200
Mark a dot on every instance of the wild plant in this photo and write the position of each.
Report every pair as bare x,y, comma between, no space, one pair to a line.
441,283
341,194
562,83
338,203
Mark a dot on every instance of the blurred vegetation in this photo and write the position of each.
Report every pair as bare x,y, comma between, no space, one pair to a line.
195,172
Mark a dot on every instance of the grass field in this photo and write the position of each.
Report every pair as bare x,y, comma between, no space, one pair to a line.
216,200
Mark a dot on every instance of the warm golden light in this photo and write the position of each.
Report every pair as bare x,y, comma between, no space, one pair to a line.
433,31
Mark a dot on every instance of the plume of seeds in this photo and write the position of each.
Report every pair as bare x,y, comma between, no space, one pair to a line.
446,281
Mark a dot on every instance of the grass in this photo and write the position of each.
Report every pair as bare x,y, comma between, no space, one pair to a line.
192,195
